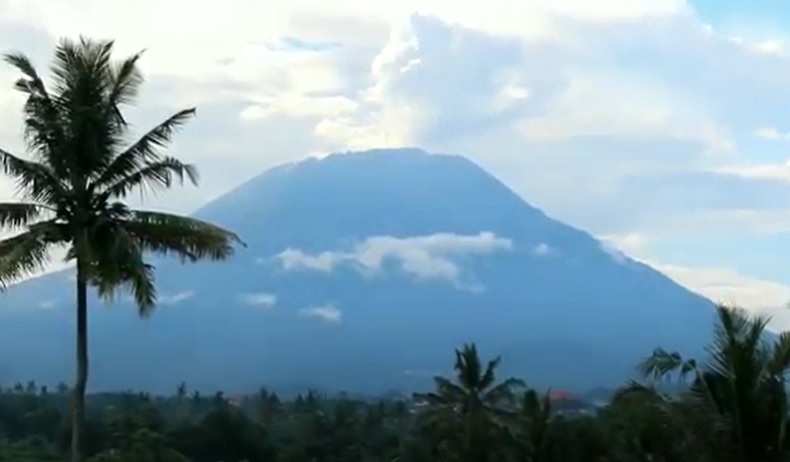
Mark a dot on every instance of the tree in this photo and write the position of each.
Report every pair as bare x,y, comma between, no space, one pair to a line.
534,420
75,181
740,388
268,407
31,387
643,423
473,408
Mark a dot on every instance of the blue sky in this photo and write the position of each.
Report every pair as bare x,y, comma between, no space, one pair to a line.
660,126
745,14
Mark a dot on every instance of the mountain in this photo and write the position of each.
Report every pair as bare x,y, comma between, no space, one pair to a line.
363,271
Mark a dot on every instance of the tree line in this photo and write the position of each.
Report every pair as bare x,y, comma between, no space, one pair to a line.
730,407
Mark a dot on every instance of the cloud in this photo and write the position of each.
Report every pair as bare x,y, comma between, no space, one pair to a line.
327,313
176,298
720,284
616,116
538,75
770,172
728,286
47,304
432,257
542,250
261,299
615,253
294,259
630,243
770,133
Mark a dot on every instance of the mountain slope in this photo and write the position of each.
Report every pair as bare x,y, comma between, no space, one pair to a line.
362,272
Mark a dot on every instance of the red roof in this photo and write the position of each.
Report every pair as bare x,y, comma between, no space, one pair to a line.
559,395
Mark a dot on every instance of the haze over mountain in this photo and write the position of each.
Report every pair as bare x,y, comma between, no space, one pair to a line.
363,271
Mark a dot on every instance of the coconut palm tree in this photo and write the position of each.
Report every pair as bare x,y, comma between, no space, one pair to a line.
741,387
473,408
75,178
534,420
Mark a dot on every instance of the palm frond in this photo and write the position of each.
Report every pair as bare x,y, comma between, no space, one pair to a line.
504,392
18,214
144,151
187,238
35,181
43,130
780,356
450,392
138,278
660,365
32,83
156,176
126,82
489,375
27,253
117,263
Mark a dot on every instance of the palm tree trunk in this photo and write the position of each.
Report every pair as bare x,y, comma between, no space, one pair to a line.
78,394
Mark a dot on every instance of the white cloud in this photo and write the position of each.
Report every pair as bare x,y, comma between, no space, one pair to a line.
600,103
328,313
629,243
593,110
299,77
614,252
728,286
432,257
720,284
542,250
261,299
176,298
47,304
776,172
770,133
295,259
754,222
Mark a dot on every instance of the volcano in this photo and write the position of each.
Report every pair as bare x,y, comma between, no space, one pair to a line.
363,271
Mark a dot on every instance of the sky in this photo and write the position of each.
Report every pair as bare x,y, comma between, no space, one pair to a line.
659,126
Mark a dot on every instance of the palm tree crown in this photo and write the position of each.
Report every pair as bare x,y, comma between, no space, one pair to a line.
471,410
741,387
81,169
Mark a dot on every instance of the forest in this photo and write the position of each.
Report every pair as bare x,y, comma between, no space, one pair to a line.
730,406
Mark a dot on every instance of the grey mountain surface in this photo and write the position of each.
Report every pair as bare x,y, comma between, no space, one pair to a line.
363,271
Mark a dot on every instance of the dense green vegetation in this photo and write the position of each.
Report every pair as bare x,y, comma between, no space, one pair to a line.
731,408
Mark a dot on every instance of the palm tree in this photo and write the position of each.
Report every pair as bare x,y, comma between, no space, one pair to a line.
181,397
75,181
474,407
741,386
534,419
31,387
269,406
62,388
